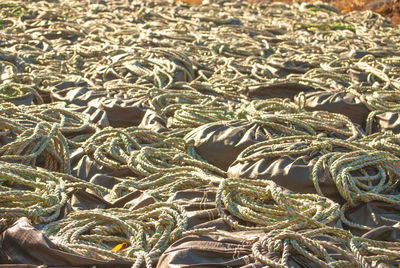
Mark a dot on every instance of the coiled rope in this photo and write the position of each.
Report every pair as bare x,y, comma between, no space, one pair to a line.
75,126
323,246
164,184
146,232
37,194
269,207
42,145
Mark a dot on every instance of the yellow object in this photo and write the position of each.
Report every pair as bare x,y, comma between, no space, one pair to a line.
197,2
119,247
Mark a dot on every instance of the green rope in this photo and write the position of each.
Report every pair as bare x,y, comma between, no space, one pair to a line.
147,232
42,145
269,207
37,194
193,65
384,141
75,126
323,246
164,184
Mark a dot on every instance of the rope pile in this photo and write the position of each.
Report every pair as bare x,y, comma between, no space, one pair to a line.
42,145
323,246
75,126
195,66
37,194
150,160
312,123
265,204
11,90
164,184
145,232
361,173
259,107
385,142
142,151
365,187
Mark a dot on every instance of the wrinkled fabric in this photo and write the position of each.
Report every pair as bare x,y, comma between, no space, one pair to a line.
85,167
97,116
336,102
7,137
292,173
200,207
24,244
153,121
26,99
120,112
387,121
120,109
379,216
277,90
220,143
284,67
218,251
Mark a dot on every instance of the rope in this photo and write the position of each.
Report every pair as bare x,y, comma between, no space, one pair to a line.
36,193
259,107
149,160
385,142
42,145
164,184
294,145
250,201
193,66
75,126
146,232
360,173
323,246
351,172
142,151
312,123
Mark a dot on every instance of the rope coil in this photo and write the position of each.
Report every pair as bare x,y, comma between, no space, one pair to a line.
35,193
265,204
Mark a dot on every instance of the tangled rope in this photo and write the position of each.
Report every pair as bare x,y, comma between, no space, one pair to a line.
323,246
150,160
142,151
9,90
75,126
360,173
35,193
42,145
195,66
164,184
259,107
145,232
311,123
365,186
266,205
192,116
384,141
295,145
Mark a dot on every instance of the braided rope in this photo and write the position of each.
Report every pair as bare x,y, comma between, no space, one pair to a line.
42,145
164,184
250,201
37,194
323,246
384,141
75,126
147,232
191,64
364,186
